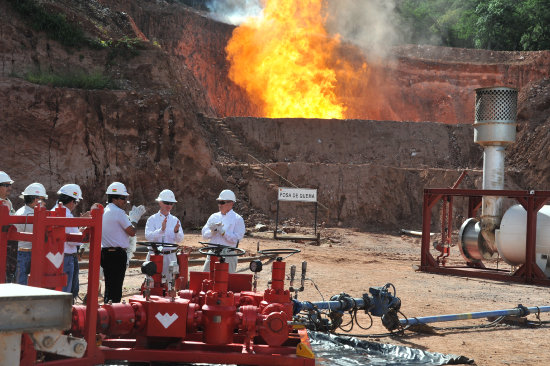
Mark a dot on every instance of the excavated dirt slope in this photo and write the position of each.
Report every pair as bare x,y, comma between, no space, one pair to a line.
177,121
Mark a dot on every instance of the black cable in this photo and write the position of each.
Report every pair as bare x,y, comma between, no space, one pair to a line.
364,328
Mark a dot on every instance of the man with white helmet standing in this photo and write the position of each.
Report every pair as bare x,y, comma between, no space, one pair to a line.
163,227
117,229
68,196
224,227
11,255
34,195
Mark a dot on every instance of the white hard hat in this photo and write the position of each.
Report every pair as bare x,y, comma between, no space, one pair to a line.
34,189
166,195
117,188
71,190
226,195
5,178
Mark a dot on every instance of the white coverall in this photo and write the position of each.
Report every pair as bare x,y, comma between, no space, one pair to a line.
153,232
234,230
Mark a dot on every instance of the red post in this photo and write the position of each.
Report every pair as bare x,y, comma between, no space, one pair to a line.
531,239
426,226
181,281
221,277
278,276
4,215
92,351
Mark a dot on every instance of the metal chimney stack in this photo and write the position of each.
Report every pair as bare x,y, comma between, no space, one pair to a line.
494,129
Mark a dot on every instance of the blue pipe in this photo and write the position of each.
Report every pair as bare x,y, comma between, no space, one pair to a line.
519,311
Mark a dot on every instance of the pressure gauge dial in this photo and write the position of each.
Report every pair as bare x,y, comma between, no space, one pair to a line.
256,266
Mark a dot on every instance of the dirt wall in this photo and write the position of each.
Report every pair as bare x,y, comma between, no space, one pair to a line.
396,144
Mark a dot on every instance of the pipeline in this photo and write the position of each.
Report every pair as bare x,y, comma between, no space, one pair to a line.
519,311
378,304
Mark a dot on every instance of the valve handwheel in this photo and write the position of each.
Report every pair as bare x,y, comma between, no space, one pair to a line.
154,245
279,251
216,250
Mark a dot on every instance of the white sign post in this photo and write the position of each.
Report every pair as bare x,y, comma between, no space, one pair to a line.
297,195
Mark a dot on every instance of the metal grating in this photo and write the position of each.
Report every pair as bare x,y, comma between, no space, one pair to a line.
496,104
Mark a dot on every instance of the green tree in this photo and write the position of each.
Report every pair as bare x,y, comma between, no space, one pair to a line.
441,22
499,25
536,36
489,24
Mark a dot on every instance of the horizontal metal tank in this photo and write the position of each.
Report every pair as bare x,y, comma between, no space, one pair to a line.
511,237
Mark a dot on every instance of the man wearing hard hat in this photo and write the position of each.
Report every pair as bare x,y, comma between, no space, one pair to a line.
117,229
163,227
224,227
11,255
34,195
68,197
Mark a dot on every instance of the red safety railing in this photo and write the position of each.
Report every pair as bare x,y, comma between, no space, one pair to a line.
48,238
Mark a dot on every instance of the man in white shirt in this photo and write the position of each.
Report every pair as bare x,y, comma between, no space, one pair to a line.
224,227
163,227
34,195
68,196
116,231
11,255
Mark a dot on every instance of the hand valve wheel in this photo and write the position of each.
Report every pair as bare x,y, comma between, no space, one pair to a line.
279,251
217,249
155,245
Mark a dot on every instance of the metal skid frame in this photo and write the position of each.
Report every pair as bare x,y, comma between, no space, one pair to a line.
532,202
193,350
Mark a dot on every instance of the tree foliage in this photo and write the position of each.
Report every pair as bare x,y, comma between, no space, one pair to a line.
489,24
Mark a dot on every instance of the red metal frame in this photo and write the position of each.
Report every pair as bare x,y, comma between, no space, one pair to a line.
532,201
48,230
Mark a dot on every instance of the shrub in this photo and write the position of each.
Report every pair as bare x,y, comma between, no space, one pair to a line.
54,25
80,80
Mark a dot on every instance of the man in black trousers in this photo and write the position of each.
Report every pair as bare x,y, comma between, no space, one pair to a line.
117,229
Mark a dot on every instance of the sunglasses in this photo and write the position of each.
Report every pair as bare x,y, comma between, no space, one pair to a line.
168,203
5,185
223,202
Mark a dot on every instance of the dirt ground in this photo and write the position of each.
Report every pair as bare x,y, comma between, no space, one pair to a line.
351,261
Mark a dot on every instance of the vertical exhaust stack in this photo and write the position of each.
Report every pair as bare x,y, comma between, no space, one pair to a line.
494,129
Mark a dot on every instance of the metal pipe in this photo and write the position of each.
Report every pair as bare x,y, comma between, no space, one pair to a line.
494,129
329,305
493,178
519,311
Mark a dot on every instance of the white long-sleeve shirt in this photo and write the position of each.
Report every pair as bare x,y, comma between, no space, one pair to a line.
26,227
154,232
233,225
70,246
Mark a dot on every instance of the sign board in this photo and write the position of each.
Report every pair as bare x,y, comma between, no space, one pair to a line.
297,194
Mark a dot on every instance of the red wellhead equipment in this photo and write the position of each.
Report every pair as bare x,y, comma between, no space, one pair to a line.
212,318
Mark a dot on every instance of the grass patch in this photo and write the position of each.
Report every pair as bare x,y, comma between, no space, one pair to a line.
80,80
54,25
124,47
57,27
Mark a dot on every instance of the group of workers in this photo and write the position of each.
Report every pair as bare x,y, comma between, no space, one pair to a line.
224,227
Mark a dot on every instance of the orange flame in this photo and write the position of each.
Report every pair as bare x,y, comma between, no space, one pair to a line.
282,59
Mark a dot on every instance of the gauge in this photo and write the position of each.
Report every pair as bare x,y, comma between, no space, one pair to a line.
256,266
